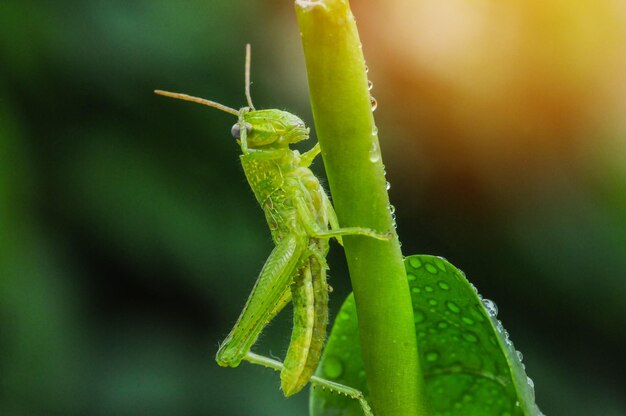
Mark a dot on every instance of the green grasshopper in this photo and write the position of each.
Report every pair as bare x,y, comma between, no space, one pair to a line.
301,219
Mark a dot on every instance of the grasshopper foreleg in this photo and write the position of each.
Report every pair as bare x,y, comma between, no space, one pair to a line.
306,159
314,230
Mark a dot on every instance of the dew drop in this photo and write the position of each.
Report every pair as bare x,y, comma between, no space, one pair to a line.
499,327
374,131
387,186
443,285
530,382
478,295
520,356
374,152
428,288
411,277
374,103
456,367
415,262
440,264
431,269
432,356
467,320
366,69
453,307
477,313
433,302
418,317
491,307
469,337
333,368
392,209
416,290
370,85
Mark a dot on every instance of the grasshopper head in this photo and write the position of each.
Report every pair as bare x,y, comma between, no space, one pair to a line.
264,128
271,128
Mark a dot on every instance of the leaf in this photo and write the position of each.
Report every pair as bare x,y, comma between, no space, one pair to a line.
469,363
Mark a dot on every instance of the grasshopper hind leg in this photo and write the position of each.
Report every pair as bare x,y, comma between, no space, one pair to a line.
310,319
315,381
268,297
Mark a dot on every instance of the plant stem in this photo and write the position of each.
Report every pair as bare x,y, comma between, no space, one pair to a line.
345,127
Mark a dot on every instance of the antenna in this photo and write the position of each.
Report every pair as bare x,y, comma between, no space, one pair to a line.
248,97
202,101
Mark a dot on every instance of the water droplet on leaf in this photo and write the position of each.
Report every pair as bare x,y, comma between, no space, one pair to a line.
467,320
453,307
415,262
491,307
431,269
333,368
440,264
468,336
418,317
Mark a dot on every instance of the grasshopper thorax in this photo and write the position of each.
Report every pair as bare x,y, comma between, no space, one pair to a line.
270,128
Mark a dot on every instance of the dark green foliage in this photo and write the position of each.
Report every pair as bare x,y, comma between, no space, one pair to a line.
469,363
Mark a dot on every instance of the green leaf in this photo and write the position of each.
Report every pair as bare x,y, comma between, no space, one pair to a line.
468,361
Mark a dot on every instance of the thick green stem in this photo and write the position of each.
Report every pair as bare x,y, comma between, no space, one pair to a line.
348,138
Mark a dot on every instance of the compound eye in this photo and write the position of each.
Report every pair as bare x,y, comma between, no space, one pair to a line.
236,130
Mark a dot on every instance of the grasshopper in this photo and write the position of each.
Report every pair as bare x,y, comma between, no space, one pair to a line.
301,219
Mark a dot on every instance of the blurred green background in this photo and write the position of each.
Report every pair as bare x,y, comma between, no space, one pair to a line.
129,239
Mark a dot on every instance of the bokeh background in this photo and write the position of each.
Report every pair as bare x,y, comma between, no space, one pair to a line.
129,239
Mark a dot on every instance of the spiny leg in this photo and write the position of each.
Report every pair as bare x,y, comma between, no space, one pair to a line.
333,221
315,381
314,230
306,159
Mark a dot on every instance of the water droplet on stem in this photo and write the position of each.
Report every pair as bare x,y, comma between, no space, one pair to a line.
374,152
374,103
